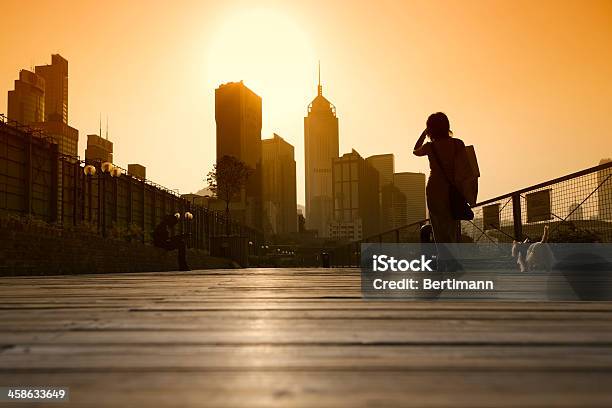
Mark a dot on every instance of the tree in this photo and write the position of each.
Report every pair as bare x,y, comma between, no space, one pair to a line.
226,180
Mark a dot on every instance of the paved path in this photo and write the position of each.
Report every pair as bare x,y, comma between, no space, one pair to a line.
294,337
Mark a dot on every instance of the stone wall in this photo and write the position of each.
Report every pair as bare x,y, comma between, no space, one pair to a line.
40,249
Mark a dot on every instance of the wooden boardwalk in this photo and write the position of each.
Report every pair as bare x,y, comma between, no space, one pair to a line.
294,337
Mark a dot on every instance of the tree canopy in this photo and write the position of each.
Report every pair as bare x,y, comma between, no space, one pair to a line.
227,178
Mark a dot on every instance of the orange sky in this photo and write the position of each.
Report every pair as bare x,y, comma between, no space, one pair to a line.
530,85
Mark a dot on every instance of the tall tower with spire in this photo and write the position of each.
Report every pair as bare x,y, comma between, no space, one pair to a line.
319,87
321,146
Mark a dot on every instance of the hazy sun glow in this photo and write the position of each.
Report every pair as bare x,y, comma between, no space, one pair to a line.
274,57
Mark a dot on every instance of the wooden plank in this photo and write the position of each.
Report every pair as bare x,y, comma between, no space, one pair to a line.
137,357
34,319
327,389
295,337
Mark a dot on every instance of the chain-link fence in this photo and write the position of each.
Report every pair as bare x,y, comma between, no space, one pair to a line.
576,207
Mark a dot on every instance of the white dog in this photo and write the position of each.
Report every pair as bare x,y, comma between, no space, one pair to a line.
535,256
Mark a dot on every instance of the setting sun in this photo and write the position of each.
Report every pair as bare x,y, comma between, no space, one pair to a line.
273,56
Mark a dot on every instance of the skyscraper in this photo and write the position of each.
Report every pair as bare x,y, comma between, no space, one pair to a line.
321,146
238,119
98,149
56,88
26,104
279,190
410,206
355,189
66,137
55,120
384,164
137,170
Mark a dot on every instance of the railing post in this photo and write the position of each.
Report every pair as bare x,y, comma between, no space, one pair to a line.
83,192
153,205
55,197
28,176
99,183
60,188
103,199
75,185
129,201
115,218
143,208
516,217
89,198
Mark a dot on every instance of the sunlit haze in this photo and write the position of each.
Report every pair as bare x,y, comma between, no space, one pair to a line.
527,83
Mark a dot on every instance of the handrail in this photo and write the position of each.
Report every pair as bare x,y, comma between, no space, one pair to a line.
561,179
20,127
547,183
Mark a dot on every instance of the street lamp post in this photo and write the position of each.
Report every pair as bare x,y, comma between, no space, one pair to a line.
107,168
194,241
90,171
115,174
188,217
208,221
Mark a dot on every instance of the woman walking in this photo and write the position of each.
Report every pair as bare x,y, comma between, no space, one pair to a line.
443,151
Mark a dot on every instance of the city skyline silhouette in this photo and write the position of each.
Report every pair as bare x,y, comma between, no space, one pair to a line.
530,74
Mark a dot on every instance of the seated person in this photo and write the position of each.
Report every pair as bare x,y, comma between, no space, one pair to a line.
162,239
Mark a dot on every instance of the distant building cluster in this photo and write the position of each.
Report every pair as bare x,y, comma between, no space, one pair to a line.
40,101
347,196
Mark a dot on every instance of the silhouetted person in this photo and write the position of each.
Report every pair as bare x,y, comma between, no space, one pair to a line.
442,151
162,239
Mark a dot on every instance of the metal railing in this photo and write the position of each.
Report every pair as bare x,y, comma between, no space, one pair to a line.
577,208
30,131
39,183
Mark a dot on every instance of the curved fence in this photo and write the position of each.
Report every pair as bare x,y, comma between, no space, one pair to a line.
577,208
